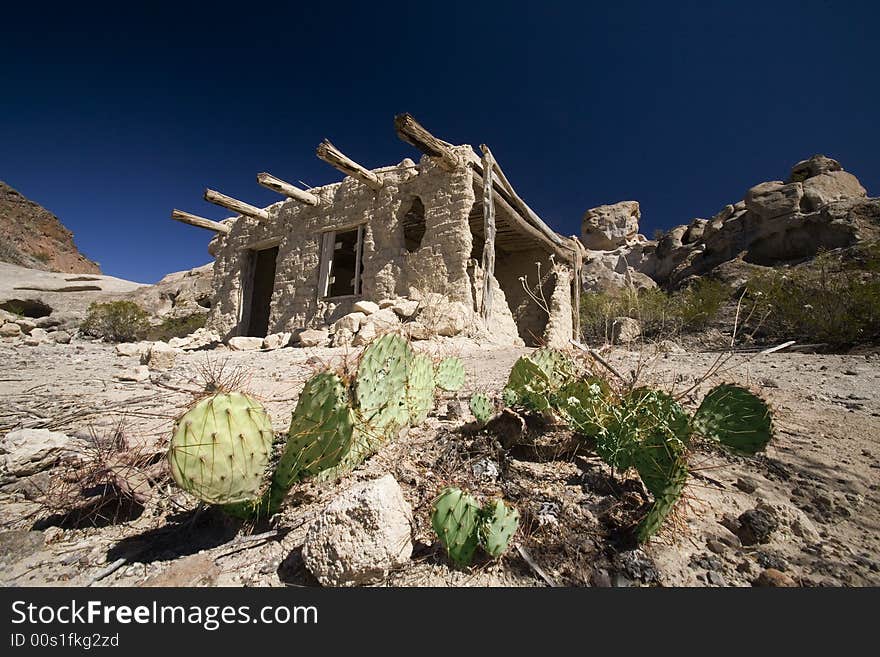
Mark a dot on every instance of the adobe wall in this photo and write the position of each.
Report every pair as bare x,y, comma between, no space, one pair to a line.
440,265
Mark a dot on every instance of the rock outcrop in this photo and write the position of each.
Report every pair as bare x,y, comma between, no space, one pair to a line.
819,207
34,238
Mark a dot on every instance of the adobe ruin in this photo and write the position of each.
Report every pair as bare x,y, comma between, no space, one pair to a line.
447,231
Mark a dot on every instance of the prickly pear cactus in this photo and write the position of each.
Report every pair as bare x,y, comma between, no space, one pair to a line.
482,407
735,417
455,518
584,404
381,383
450,374
221,448
664,501
320,434
527,385
498,523
557,366
420,389
365,441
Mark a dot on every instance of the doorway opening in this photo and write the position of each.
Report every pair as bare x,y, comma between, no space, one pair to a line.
342,263
261,285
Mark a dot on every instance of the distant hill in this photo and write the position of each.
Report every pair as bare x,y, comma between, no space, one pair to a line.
33,237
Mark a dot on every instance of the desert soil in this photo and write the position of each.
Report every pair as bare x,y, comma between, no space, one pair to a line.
818,479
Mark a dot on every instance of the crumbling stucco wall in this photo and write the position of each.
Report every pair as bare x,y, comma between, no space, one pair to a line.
389,270
560,325
531,319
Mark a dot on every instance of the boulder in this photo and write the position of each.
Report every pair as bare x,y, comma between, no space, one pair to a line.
245,343
343,338
160,357
361,535
365,307
365,336
695,231
277,340
814,166
350,322
774,198
774,578
416,331
202,338
625,330
406,308
444,317
607,227
28,451
37,336
832,186
314,338
10,330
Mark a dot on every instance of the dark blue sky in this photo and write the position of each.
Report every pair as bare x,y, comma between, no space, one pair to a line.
111,116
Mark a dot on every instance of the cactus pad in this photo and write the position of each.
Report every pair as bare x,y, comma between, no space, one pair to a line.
450,374
455,518
482,408
736,418
498,523
320,434
528,385
420,388
221,448
381,383
664,502
557,366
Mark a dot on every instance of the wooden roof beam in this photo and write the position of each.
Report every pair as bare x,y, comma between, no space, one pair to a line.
413,133
201,222
235,205
285,188
337,159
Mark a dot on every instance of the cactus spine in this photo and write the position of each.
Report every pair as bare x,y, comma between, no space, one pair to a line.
450,374
482,407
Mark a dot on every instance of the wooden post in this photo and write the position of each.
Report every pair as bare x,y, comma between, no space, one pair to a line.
335,158
201,222
489,244
412,132
578,265
235,205
277,185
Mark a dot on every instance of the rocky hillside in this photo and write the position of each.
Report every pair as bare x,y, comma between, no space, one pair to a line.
820,207
33,237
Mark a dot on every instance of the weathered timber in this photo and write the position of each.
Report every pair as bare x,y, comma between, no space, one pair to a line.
337,159
413,133
269,181
235,205
517,202
201,222
489,243
578,266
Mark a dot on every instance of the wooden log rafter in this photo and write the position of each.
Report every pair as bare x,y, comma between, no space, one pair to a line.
235,205
201,222
413,133
269,181
489,242
337,159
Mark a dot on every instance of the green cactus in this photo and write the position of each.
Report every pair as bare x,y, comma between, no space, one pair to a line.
528,386
365,441
220,449
455,518
664,501
509,397
482,408
584,404
498,523
320,435
558,368
450,374
736,418
420,389
381,383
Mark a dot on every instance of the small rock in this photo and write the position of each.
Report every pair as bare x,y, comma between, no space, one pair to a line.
773,577
365,336
416,331
243,343
61,337
600,578
202,338
361,536
756,526
160,357
851,372
716,546
314,338
40,335
138,349
277,340
406,308
625,330
365,307
139,373
10,330
638,566
716,578
746,484
28,451
350,322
